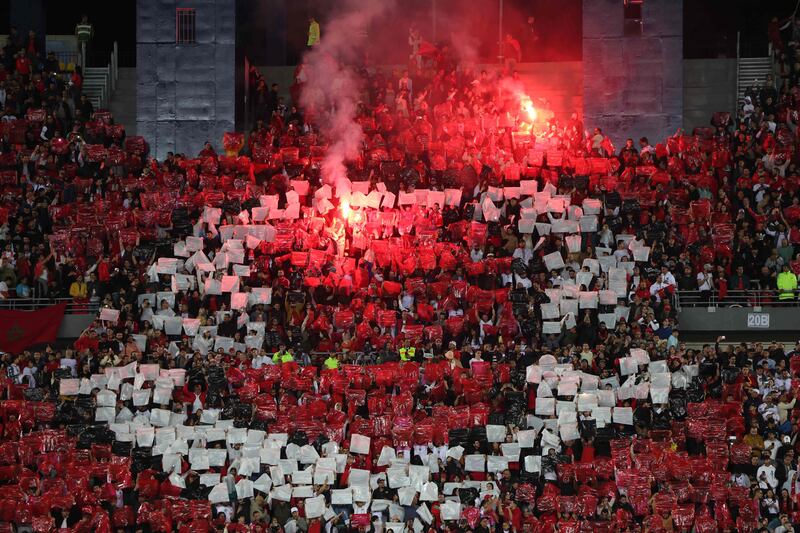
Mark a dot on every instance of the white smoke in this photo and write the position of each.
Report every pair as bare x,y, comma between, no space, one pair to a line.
332,90
463,43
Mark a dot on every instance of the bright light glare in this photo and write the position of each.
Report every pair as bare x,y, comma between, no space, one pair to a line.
345,208
527,106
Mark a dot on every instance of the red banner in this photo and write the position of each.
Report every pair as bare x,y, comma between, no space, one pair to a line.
20,329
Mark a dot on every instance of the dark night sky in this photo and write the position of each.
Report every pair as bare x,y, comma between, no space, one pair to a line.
112,21
710,26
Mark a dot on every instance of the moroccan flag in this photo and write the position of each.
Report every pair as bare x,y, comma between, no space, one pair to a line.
20,329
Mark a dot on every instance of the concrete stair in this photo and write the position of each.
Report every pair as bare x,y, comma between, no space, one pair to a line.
751,70
123,101
97,86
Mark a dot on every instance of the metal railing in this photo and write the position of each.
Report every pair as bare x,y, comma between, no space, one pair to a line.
101,82
738,298
32,304
736,88
66,59
114,67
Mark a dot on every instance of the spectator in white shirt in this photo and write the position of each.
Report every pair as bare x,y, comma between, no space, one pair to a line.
667,277
455,312
760,189
772,444
485,320
261,360
523,281
226,509
476,359
68,362
783,382
406,301
768,410
657,287
476,254
765,385
748,106
556,279
741,479
29,375
605,237
770,505
785,525
13,371
621,251
360,507
523,252
766,475
705,282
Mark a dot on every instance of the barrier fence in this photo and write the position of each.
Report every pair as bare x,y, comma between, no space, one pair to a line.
738,298
32,304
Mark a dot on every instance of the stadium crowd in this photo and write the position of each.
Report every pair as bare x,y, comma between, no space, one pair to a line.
473,331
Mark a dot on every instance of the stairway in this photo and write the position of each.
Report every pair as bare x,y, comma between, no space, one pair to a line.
97,86
749,71
123,101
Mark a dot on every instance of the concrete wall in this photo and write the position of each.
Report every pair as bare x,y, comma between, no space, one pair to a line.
709,85
73,325
633,86
185,93
123,101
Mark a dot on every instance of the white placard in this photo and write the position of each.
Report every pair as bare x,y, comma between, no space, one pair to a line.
359,444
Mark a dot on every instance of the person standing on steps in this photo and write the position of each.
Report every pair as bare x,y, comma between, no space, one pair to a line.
84,32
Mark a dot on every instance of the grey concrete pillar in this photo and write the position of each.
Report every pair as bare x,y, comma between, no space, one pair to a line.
185,92
633,85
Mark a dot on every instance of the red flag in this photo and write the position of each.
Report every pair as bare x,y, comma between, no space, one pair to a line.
20,329
608,146
427,49
360,520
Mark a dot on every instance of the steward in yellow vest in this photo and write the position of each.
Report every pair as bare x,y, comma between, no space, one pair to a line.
787,284
407,353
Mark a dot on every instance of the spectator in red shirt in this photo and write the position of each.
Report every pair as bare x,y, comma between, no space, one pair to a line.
87,341
23,65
